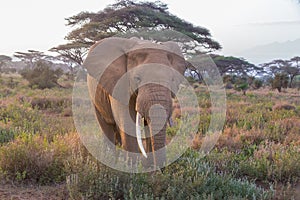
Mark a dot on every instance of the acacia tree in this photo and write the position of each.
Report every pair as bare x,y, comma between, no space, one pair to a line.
129,15
235,66
72,66
31,57
3,60
293,69
288,68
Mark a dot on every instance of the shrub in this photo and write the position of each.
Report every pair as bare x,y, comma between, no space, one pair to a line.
257,84
190,177
6,135
280,81
21,119
55,104
42,76
273,162
242,87
36,159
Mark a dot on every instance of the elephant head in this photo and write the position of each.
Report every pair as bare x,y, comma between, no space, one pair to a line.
131,83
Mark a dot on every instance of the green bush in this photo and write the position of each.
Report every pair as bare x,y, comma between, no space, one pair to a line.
273,162
55,104
42,76
280,81
6,135
257,83
21,119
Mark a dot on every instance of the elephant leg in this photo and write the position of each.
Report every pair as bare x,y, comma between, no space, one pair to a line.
148,139
129,142
109,130
130,145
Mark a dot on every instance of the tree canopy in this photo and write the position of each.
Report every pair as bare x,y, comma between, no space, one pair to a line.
291,68
234,66
129,15
31,57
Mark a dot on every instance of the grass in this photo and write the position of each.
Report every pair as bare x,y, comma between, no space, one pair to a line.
190,177
256,157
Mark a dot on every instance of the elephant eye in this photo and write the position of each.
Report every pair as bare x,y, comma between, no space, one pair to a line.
137,79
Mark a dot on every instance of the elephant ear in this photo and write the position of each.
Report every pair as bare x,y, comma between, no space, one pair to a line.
107,62
179,62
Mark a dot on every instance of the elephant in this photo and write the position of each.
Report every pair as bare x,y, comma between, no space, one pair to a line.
131,84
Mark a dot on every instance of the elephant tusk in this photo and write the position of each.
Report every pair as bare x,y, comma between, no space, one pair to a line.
139,135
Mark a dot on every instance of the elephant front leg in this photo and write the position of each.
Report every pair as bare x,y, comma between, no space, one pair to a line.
109,130
130,145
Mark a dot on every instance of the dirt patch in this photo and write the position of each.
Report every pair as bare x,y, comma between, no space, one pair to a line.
30,192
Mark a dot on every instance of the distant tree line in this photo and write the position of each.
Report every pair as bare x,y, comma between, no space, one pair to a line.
283,73
40,70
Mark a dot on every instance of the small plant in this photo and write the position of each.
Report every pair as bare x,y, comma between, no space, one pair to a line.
257,83
242,84
6,135
21,119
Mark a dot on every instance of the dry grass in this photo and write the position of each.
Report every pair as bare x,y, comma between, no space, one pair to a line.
31,192
36,159
283,106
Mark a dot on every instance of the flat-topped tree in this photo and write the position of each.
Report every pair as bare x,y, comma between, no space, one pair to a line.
235,66
128,15
291,68
30,57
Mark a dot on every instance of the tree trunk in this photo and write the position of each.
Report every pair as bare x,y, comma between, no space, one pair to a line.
291,81
279,89
244,92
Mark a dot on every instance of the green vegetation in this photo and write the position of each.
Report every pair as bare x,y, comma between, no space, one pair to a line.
42,76
256,157
190,177
280,81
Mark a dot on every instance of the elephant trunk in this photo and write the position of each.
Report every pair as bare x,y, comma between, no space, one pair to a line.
154,103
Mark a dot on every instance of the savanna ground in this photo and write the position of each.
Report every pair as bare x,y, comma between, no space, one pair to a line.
256,157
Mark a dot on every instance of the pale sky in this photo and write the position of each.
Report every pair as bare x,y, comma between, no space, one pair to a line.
237,25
